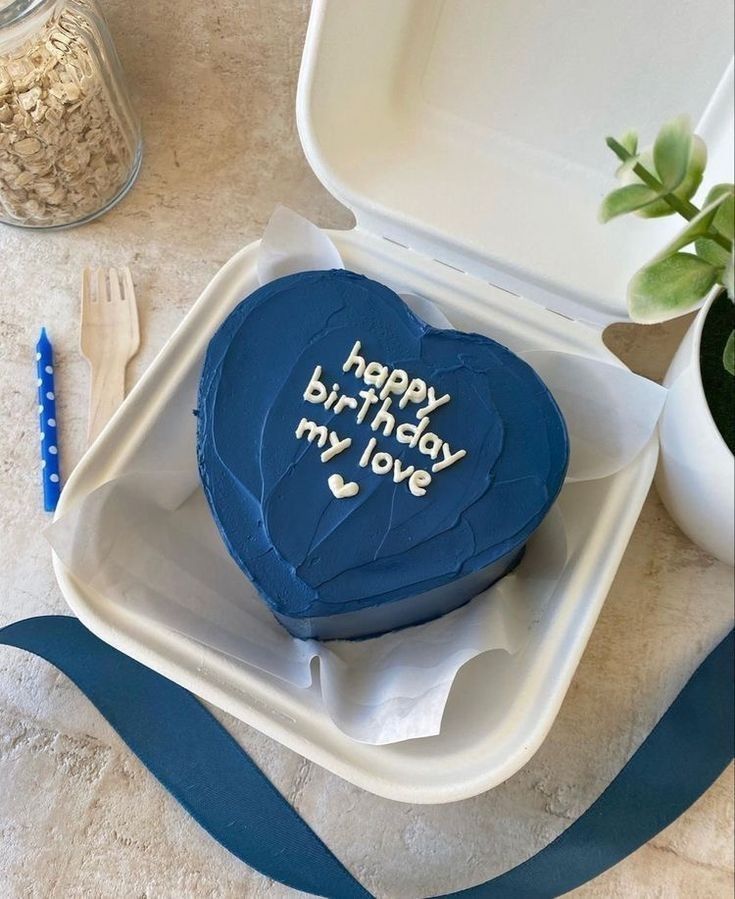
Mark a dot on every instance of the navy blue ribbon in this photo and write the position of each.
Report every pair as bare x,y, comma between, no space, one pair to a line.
199,763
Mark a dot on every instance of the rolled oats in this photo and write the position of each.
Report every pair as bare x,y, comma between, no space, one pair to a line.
66,149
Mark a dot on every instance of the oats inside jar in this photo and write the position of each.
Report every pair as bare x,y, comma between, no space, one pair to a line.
67,143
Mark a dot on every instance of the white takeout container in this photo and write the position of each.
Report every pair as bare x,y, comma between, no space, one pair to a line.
467,138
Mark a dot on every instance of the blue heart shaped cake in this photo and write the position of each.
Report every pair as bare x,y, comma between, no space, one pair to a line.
367,471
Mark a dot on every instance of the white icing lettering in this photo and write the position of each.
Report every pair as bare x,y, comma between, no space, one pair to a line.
382,463
415,393
340,489
365,458
449,458
419,481
345,402
375,373
370,398
315,392
385,386
410,433
336,446
433,403
430,444
313,431
355,359
396,383
400,473
384,419
332,398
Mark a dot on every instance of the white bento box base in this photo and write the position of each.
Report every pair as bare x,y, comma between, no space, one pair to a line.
501,706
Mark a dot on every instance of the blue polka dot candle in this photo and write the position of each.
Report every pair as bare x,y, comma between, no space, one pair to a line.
47,420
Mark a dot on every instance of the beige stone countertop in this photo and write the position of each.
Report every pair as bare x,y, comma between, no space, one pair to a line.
79,815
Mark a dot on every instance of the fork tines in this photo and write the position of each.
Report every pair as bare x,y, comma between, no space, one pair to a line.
110,337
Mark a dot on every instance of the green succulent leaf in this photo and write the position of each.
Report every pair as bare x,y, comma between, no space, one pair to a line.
728,356
626,199
669,286
725,218
672,150
688,187
630,141
624,172
711,252
694,230
723,221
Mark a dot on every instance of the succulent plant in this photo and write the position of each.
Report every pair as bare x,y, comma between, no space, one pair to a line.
662,181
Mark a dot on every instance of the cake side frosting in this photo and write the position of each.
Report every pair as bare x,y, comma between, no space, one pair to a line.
353,456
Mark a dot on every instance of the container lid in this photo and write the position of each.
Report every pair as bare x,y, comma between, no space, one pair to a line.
474,132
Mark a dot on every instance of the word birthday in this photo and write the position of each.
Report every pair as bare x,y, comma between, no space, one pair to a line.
384,387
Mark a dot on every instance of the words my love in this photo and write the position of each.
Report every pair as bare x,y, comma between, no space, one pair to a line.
381,463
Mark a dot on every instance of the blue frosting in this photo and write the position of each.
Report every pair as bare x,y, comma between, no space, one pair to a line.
313,555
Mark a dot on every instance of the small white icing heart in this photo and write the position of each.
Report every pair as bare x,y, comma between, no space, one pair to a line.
340,489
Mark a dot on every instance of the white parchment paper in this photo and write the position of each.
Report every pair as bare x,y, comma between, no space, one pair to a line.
147,540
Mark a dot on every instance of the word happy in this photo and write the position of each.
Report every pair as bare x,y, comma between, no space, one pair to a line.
386,389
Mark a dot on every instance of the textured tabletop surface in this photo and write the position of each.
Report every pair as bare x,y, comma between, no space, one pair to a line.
79,816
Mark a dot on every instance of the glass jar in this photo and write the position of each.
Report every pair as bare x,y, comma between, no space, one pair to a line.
70,144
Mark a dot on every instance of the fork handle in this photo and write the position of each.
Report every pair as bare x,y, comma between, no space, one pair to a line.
107,391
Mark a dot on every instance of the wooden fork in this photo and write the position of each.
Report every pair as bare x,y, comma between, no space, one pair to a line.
109,340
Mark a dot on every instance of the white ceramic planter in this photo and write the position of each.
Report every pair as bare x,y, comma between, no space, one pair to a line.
696,472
